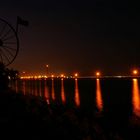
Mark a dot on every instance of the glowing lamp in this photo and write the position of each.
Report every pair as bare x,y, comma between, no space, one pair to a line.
98,74
62,75
135,72
76,74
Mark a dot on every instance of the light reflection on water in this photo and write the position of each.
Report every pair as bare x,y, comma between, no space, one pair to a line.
99,100
35,88
46,92
31,88
136,98
24,87
62,91
40,89
77,96
53,93
16,86
78,92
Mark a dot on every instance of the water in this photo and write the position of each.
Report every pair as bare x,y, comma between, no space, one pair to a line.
110,106
116,98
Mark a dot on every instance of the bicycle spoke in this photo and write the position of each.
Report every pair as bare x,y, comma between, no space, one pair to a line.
5,56
5,35
9,47
10,37
8,51
10,43
2,30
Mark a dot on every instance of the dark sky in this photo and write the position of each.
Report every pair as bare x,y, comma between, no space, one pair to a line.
72,36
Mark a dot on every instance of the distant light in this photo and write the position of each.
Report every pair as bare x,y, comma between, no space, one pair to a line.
98,74
35,77
39,76
135,72
76,74
62,75
134,79
45,76
52,75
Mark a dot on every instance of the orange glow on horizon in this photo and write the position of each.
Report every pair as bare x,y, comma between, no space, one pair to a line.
62,76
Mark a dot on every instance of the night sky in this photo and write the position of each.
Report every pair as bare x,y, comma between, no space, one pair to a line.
76,36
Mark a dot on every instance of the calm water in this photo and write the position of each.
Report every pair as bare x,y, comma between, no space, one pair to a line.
118,98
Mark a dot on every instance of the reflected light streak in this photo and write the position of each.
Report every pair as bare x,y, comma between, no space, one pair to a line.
32,89
53,93
16,86
77,97
24,88
62,91
46,92
40,88
35,89
136,98
99,101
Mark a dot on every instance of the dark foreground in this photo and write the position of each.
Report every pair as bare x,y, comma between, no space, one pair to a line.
29,117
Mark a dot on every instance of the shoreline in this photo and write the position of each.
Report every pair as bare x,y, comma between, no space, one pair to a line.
32,116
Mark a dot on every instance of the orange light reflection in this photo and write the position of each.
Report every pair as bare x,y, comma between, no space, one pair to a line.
99,101
46,92
77,97
35,89
53,93
24,87
40,90
16,86
62,91
136,98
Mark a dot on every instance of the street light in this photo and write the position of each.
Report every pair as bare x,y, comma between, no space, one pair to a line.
76,75
135,72
98,73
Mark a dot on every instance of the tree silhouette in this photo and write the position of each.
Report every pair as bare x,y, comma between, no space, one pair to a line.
13,74
4,81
